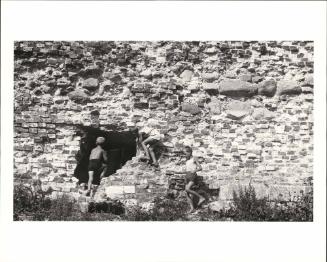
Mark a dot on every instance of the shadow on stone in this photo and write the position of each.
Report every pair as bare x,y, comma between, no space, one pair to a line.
114,207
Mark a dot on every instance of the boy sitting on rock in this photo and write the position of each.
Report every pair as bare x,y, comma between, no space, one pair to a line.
98,157
191,167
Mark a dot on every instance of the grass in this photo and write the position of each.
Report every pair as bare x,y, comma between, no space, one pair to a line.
36,205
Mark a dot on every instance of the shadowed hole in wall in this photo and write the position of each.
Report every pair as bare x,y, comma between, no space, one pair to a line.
120,147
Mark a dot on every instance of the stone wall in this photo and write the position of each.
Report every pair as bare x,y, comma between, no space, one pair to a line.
246,108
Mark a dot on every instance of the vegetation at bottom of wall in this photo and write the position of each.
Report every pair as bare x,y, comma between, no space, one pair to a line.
31,204
246,206
163,209
37,205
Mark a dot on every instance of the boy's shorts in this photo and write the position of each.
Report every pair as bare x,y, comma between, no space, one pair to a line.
94,165
152,143
190,177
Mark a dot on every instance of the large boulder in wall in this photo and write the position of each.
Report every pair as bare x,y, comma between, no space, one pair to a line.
210,77
191,108
236,110
267,88
262,113
214,106
147,73
78,96
308,80
288,87
186,75
91,84
237,88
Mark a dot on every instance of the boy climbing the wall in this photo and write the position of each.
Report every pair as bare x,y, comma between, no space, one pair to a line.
98,157
191,167
148,138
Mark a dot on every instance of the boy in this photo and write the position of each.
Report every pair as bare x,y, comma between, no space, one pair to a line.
97,157
153,136
191,167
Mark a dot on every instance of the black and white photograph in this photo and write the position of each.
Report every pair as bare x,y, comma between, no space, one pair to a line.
163,130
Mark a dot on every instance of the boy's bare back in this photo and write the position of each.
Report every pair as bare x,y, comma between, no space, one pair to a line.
97,153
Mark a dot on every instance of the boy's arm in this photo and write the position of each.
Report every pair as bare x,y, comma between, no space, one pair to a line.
105,156
198,166
139,137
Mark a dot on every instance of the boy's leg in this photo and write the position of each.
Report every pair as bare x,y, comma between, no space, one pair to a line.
89,184
145,144
145,149
189,190
190,201
154,159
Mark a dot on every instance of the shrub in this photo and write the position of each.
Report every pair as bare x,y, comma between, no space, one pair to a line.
30,203
246,206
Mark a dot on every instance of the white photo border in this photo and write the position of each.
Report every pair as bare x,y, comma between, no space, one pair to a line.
163,241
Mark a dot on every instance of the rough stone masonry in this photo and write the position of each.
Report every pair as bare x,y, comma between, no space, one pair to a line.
246,108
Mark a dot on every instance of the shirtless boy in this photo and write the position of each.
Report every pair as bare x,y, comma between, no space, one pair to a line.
191,167
98,156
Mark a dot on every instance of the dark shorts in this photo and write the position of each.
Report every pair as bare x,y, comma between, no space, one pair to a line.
191,177
153,143
94,164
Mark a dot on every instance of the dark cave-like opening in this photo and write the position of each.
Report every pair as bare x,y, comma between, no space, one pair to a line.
120,147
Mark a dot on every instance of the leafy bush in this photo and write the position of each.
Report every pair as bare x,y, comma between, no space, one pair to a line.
247,207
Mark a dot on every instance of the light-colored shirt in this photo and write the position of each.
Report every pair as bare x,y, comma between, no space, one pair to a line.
152,132
190,165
